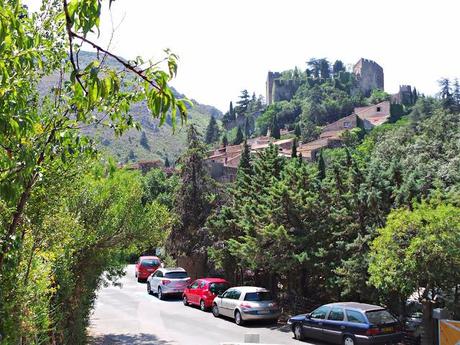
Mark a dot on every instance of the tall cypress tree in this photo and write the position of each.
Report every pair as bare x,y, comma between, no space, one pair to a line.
167,164
321,166
224,140
275,130
247,127
294,148
297,130
239,137
212,131
245,161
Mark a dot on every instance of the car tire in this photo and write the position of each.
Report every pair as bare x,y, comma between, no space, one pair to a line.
215,310
348,340
238,319
203,306
149,289
184,299
298,331
160,294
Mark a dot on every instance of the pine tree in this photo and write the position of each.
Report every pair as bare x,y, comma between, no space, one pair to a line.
224,140
456,95
144,141
337,68
212,131
245,161
167,164
414,95
232,111
239,137
294,148
243,103
446,94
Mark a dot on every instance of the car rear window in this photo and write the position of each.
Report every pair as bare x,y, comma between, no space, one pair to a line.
150,262
218,288
355,316
258,296
380,317
176,275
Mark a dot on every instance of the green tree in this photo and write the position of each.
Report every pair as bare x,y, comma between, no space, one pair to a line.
167,163
445,93
275,128
212,131
224,140
297,130
243,103
294,148
144,141
337,68
239,137
423,244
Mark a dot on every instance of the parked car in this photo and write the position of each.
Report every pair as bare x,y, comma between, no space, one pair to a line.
145,266
348,323
245,303
168,281
202,292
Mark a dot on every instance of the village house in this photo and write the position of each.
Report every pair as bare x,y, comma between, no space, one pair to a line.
223,162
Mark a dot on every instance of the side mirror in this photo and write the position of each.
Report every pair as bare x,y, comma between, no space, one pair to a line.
308,316
220,295
189,286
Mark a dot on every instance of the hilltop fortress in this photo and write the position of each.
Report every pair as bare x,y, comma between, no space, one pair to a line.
369,76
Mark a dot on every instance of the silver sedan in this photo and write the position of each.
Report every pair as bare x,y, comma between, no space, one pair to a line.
245,303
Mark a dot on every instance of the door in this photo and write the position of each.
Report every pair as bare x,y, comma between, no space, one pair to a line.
192,297
201,291
234,302
156,279
225,303
334,326
313,325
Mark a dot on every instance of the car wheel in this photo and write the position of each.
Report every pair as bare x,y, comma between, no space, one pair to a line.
202,305
185,300
149,289
215,310
160,294
348,340
238,319
298,331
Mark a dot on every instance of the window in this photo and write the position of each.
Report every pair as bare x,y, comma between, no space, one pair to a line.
194,285
258,296
176,275
355,316
218,288
203,284
346,124
336,314
380,317
320,313
150,263
228,294
236,294
158,274
378,109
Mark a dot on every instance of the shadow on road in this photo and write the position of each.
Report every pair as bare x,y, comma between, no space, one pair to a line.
127,339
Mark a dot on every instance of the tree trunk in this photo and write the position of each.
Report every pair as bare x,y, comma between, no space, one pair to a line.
428,323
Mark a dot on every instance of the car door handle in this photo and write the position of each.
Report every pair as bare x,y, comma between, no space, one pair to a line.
342,327
320,323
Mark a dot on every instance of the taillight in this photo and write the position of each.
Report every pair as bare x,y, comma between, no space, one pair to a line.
245,306
373,331
165,282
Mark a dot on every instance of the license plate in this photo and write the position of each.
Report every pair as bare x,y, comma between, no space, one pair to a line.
264,311
387,329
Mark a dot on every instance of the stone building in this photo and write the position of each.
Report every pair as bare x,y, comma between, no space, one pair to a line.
278,89
369,75
404,96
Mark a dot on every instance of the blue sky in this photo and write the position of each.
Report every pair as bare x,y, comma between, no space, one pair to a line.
226,46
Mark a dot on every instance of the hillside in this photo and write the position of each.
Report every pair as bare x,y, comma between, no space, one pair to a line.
161,142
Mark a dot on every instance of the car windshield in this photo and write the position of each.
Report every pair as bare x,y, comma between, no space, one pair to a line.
380,317
150,262
258,296
218,288
176,275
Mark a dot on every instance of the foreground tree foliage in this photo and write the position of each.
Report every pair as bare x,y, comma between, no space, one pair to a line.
50,229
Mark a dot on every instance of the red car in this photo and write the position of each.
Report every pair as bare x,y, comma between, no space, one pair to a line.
203,291
145,266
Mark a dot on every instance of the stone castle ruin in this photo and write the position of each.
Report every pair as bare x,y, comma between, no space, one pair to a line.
369,76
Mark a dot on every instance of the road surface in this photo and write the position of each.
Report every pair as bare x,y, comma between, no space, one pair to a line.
128,315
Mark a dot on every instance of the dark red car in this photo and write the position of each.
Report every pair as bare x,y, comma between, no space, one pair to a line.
203,291
145,266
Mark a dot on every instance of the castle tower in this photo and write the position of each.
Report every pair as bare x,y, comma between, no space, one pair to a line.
369,75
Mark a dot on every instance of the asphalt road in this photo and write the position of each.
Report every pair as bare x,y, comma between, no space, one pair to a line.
128,315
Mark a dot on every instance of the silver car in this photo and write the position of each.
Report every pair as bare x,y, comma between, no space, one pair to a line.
245,303
167,281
